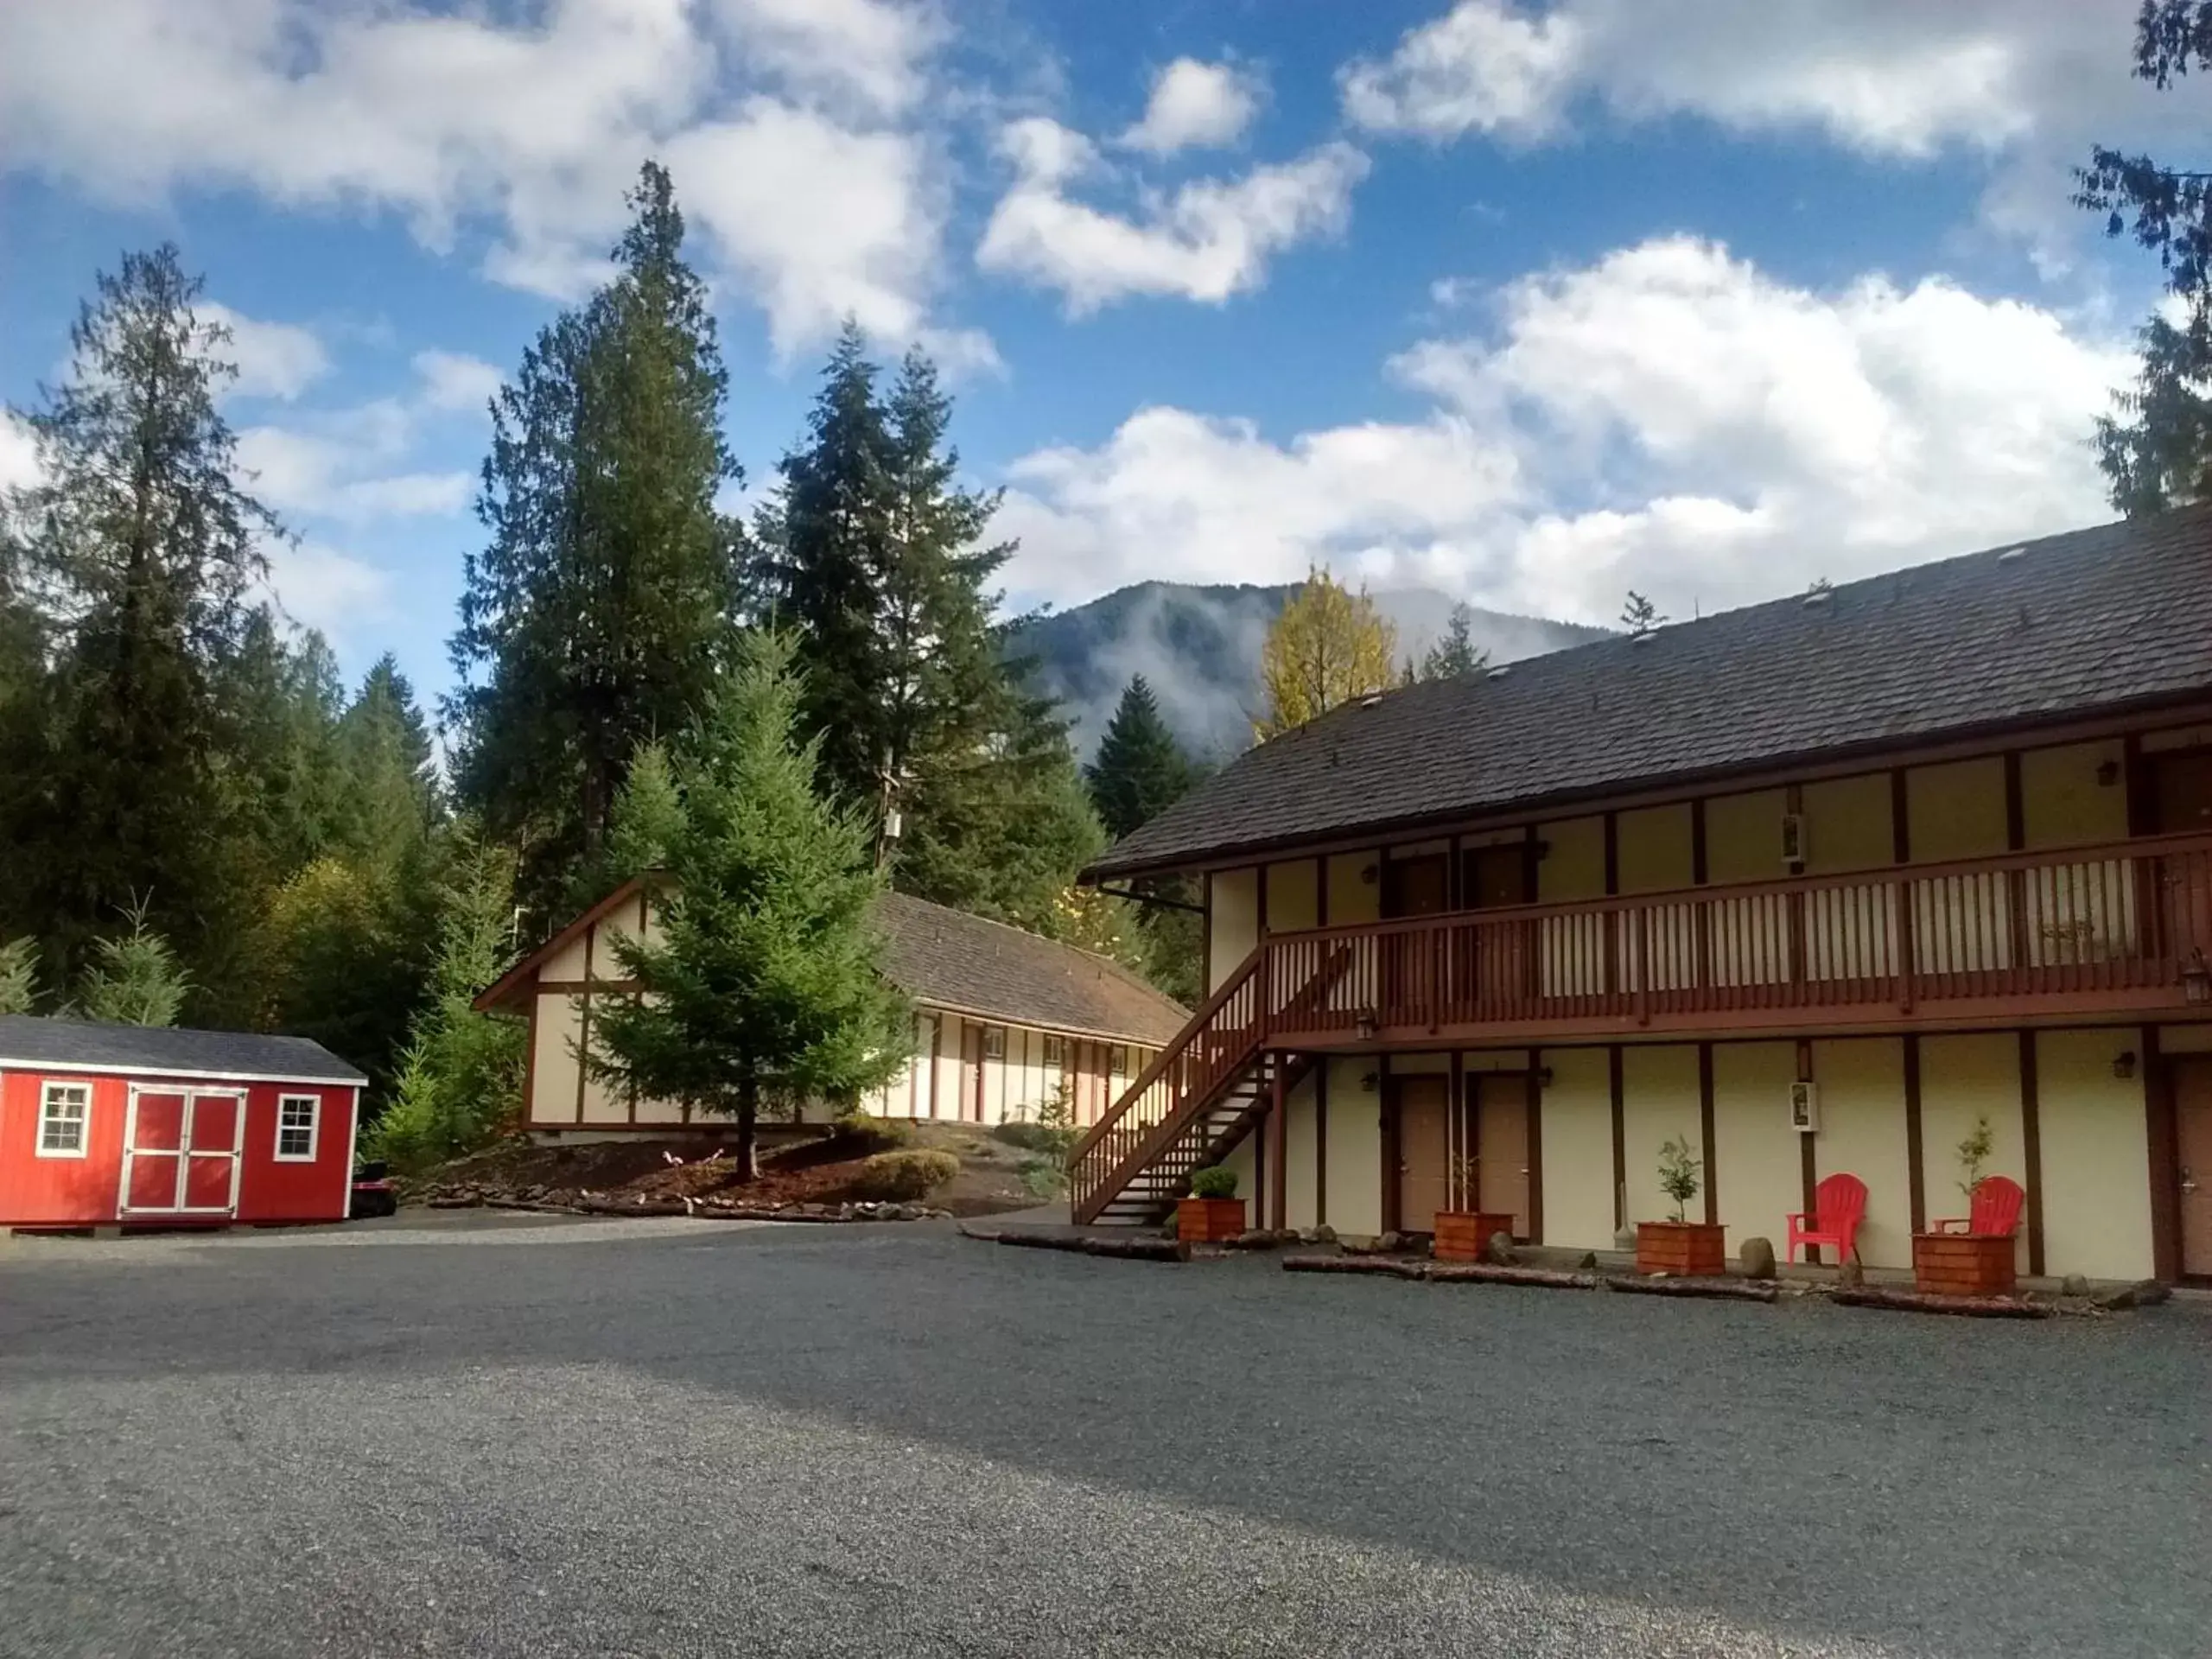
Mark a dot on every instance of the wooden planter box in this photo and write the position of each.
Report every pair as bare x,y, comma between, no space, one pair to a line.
1689,1250
1964,1264
1208,1221
1464,1235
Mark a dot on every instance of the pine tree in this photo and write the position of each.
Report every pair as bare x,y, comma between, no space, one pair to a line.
18,975
134,978
763,987
459,1078
1328,646
1140,771
143,549
1456,655
1639,614
2156,448
601,609
384,757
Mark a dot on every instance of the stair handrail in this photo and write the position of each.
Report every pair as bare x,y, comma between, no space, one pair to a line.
1111,1132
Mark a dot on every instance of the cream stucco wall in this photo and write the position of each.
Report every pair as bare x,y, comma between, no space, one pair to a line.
1355,896
1654,850
2062,802
553,1061
1743,838
1243,1158
1862,1131
1234,917
1301,1127
1292,892
1848,824
1573,864
1963,1079
1757,1163
1956,811
1577,1139
1659,1103
1355,1148
2096,1180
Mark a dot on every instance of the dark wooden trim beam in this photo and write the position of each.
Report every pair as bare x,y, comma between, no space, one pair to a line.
1320,893
583,1023
2016,804
1617,1081
2161,1135
1205,938
1809,1163
1708,1135
1388,1099
2032,1143
1900,817
1914,1153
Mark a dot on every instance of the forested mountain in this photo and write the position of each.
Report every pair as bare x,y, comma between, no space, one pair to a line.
1198,648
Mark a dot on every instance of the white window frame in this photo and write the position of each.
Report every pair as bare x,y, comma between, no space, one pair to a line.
314,1104
1117,1060
994,1042
1056,1049
50,1091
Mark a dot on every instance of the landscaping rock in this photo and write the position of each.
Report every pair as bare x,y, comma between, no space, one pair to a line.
1850,1275
2074,1284
1499,1251
1756,1256
2144,1292
1588,1261
1390,1242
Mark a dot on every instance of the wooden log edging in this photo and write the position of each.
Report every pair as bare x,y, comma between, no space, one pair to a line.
1135,1248
1391,1266
1399,1266
1914,1301
1733,1290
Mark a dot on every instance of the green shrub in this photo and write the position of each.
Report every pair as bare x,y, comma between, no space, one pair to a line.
1213,1182
898,1176
1035,1137
1044,1179
860,1134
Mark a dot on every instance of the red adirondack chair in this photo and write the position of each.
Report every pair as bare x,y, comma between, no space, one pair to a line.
1838,1205
1997,1201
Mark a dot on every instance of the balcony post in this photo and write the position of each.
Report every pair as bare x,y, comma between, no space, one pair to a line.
1907,947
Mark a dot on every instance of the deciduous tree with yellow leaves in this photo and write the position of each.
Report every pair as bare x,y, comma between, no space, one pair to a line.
1329,645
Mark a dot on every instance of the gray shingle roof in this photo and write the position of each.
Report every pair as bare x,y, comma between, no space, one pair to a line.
952,960
2094,620
216,1055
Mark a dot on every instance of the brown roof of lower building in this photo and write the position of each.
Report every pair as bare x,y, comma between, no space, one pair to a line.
2096,620
949,959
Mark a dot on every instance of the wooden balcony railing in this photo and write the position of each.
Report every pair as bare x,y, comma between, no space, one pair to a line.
2113,927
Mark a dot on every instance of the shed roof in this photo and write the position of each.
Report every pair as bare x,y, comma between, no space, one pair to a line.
948,959
2091,621
221,1056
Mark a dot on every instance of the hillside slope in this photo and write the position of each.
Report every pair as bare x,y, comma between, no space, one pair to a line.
1199,647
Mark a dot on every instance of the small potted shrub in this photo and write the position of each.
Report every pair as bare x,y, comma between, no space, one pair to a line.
1694,1250
1950,1259
1213,1212
1464,1235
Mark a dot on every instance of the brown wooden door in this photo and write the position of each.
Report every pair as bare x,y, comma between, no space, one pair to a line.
2193,1131
1490,964
2184,788
1424,1152
1411,963
1502,1147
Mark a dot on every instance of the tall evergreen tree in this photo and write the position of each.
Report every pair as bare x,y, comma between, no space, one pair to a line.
143,546
601,610
1455,655
763,987
2156,447
1139,770
390,779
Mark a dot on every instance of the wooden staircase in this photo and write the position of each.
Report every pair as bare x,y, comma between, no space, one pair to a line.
1194,1102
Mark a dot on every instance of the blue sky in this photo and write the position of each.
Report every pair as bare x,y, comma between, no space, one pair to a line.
1530,302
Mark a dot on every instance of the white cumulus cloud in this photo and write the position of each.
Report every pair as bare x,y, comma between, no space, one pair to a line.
1668,419
1194,103
454,380
1209,239
274,359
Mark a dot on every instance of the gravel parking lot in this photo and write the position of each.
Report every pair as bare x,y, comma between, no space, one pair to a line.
491,1436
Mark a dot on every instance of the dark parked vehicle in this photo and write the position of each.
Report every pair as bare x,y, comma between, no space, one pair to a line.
373,1193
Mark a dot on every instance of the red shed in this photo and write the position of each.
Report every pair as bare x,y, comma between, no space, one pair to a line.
134,1126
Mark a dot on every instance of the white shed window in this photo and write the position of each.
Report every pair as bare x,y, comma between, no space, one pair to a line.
994,1042
1117,1060
295,1128
1056,1050
64,1109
